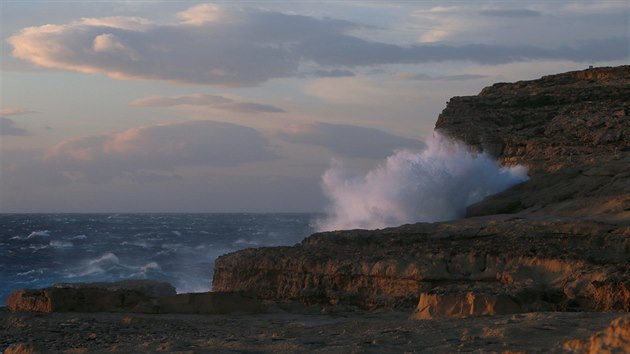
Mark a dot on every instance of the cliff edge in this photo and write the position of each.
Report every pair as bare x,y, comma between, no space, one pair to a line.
559,242
573,132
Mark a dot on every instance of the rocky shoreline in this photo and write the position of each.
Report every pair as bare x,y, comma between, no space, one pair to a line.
299,330
543,266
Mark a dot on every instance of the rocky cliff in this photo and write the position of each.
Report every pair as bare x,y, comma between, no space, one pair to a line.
569,119
573,132
559,242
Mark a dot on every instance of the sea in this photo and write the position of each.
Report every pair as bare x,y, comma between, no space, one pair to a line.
40,250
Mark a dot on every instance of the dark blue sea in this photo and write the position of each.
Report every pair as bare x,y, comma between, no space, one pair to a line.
39,250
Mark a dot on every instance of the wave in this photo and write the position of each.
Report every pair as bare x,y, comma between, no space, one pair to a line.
39,233
100,265
61,244
436,184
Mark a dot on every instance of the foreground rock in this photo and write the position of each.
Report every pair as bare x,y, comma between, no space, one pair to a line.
509,264
132,296
613,339
203,303
308,331
88,297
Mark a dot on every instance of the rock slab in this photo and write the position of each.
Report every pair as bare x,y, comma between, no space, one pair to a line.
88,297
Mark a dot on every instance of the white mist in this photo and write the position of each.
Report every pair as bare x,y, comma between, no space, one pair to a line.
436,184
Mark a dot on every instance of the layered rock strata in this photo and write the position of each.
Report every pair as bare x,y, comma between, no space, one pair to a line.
613,339
138,296
559,242
88,297
569,119
504,264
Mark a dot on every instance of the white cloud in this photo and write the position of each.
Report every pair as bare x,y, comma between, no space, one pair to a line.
15,111
200,14
232,46
250,107
160,147
196,99
200,99
512,13
121,22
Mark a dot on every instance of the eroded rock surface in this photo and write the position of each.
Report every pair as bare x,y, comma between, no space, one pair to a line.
538,263
559,242
133,296
613,339
88,297
569,119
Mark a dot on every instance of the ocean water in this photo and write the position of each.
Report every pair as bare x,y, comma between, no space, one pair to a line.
39,250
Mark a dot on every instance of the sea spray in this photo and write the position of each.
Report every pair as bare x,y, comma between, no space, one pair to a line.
435,184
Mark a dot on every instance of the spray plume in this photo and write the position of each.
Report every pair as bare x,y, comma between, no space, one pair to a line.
434,185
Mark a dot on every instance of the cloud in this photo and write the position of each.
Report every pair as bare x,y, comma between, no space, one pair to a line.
161,147
333,73
7,127
199,99
250,107
213,44
201,14
425,77
15,111
513,13
348,140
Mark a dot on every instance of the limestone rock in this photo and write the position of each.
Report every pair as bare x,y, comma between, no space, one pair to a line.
558,242
22,348
148,287
204,303
572,130
88,297
578,264
568,119
613,339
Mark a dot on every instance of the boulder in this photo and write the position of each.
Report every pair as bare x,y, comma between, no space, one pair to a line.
88,297
613,339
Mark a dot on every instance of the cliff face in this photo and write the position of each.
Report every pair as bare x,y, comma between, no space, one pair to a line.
543,264
569,119
572,130
565,246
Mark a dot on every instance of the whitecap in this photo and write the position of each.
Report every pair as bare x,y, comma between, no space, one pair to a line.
242,241
98,265
176,233
38,233
32,271
79,237
61,244
36,248
150,266
173,247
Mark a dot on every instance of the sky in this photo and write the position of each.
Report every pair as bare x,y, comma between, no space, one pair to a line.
242,106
